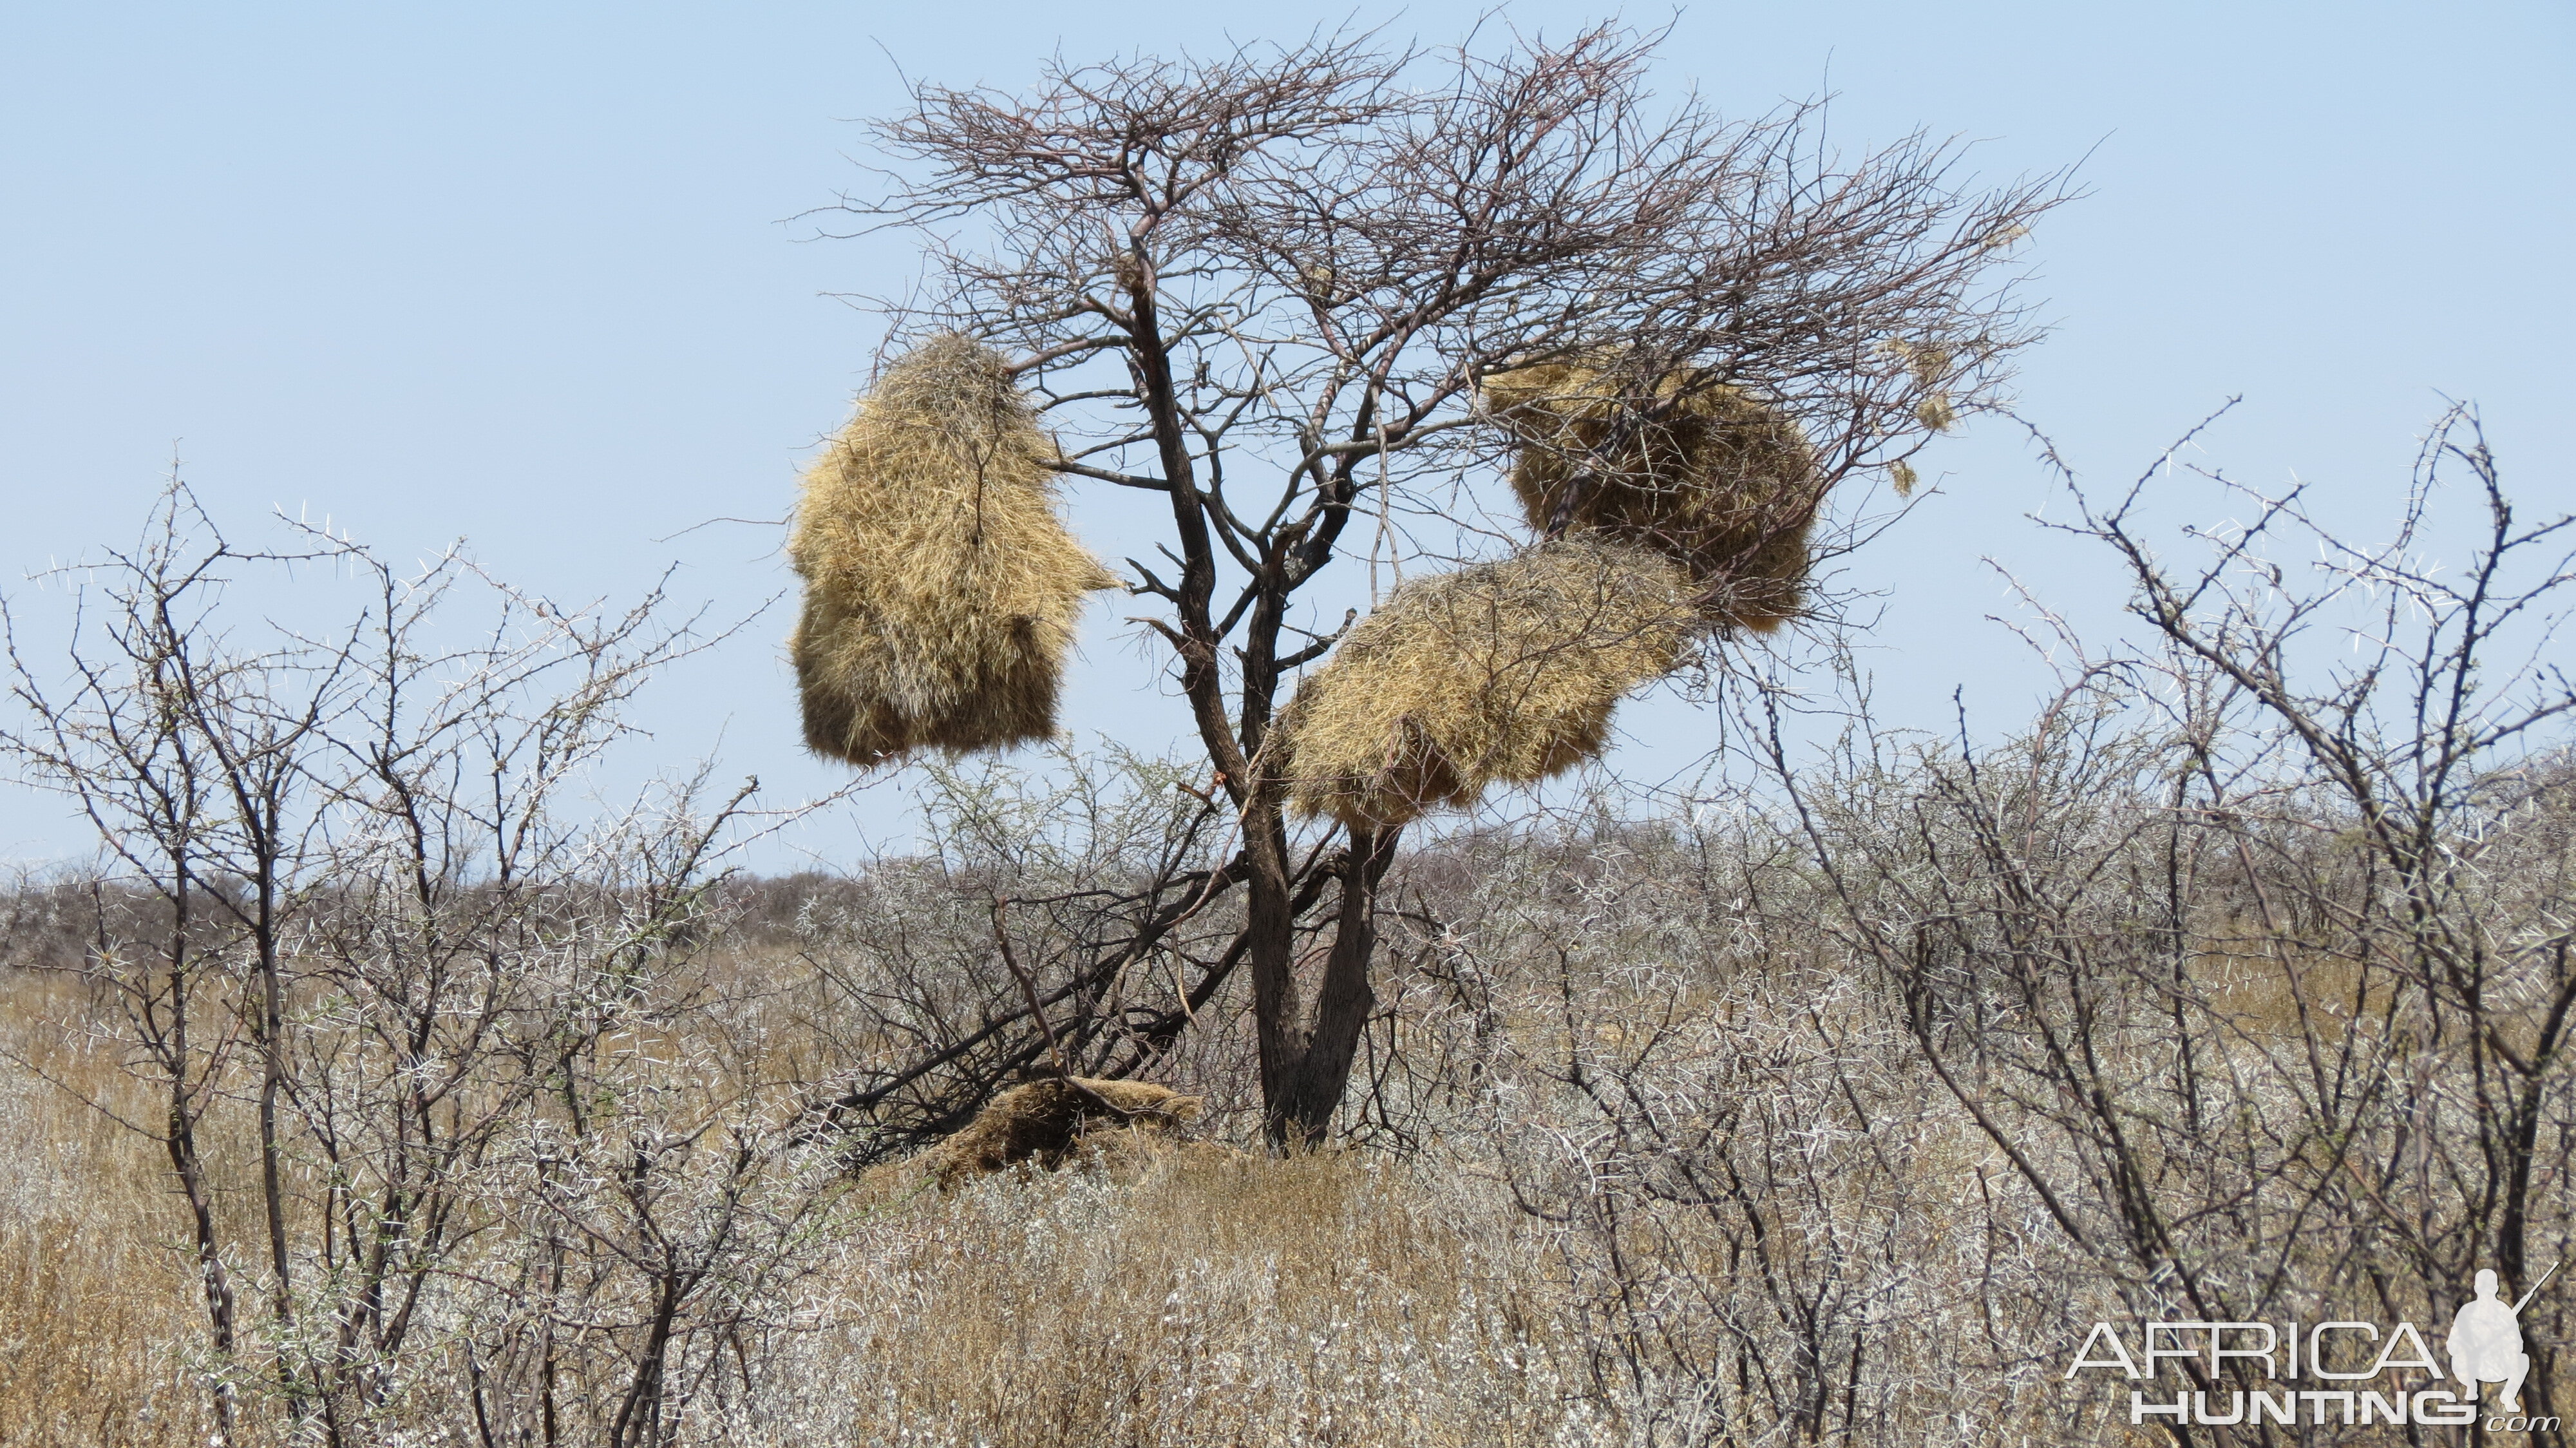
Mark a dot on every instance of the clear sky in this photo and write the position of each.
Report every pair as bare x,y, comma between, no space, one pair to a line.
531,275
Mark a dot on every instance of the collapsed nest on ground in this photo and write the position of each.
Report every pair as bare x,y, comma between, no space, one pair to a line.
1502,672
1700,472
941,589
1052,1122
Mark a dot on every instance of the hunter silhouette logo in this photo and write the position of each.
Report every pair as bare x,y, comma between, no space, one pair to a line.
2486,1339
2360,1374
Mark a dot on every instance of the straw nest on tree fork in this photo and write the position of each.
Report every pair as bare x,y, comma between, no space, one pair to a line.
1712,478
1502,672
941,588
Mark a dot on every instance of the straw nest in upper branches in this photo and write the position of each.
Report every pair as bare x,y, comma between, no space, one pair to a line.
1501,672
941,588
1698,471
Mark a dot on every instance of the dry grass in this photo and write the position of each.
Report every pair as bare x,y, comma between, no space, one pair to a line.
941,589
1215,1299
1503,672
1713,478
1187,1297
99,1312
1682,1178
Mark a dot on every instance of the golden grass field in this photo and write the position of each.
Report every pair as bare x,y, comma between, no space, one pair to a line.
1200,1296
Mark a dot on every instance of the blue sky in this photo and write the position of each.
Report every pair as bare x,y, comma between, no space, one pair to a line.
532,275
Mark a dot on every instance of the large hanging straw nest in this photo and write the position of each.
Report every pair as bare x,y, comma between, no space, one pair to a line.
1700,472
1502,672
1049,1123
941,590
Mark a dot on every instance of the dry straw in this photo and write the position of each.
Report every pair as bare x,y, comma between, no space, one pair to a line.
1052,1122
1498,673
941,589
1721,482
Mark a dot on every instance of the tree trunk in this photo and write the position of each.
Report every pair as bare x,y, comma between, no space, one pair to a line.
272,1078
191,1171
1306,1050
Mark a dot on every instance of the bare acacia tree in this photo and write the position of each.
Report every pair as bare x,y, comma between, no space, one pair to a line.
348,888
2252,961
190,756
1266,286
